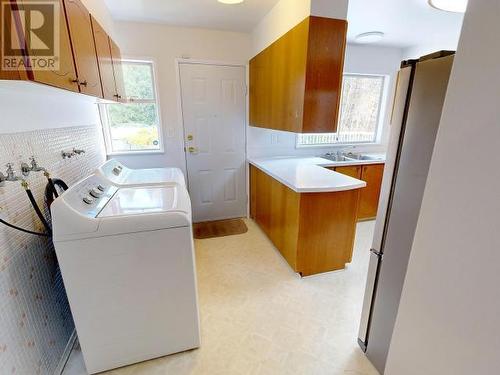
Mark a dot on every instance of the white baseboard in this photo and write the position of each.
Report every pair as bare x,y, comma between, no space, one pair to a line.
66,354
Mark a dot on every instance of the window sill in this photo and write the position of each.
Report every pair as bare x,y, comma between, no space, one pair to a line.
135,153
339,145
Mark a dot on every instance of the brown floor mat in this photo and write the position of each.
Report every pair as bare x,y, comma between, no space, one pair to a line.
220,228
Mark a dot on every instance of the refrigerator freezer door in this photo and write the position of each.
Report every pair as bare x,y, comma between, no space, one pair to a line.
398,115
373,268
424,114
399,111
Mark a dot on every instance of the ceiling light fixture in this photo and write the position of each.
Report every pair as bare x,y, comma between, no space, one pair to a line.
371,37
230,1
456,6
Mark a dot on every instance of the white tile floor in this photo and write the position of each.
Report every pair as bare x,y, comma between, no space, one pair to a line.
258,317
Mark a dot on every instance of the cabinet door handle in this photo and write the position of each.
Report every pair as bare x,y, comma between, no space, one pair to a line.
84,83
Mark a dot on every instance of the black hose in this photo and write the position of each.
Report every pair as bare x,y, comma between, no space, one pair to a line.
51,190
38,212
24,230
52,187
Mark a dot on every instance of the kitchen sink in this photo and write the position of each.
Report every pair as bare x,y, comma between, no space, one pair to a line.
353,157
336,157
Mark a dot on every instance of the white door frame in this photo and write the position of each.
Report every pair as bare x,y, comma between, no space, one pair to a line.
178,62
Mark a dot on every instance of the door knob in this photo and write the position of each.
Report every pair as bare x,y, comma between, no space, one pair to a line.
193,150
190,137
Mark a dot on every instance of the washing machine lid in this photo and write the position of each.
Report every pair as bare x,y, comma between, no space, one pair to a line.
155,176
144,209
122,176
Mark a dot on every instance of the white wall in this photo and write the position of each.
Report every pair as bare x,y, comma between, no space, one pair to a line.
359,59
288,13
100,11
26,106
449,318
164,44
422,50
284,16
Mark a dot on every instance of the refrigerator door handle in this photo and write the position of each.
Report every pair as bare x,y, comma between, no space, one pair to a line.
377,253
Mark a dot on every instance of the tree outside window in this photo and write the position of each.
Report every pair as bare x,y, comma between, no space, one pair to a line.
134,126
361,105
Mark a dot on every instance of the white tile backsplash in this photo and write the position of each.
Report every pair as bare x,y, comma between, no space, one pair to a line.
35,320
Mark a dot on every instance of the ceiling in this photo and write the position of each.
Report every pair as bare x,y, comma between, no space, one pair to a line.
196,13
406,23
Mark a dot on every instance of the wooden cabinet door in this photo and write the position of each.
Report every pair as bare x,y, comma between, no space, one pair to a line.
84,51
352,171
116,57
103,50
369,198
65,76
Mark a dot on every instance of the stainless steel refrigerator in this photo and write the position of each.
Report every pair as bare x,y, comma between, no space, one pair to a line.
418,103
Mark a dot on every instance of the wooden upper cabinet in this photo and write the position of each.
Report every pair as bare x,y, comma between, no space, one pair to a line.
116,57
103,50
84,50
296,83
65,75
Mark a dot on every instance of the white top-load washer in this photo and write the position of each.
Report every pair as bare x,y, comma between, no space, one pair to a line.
120,175
127,261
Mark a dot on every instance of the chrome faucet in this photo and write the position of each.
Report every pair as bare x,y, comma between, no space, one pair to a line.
78,152
73,152
11,173
26,168
35,167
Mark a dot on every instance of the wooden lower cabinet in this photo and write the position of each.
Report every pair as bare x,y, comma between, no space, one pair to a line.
313,231
352,171
369,196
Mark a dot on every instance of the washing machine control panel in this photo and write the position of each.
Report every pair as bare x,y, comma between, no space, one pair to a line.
90,196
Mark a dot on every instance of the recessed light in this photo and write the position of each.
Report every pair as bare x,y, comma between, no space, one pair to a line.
456,6
230,1
371,37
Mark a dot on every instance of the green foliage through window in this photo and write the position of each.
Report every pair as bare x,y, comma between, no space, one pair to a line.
135,126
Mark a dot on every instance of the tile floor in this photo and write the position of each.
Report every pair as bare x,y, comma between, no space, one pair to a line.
258,317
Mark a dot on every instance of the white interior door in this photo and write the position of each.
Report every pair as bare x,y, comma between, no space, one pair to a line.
214,112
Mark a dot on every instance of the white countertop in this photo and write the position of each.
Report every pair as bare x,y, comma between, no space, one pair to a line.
308,174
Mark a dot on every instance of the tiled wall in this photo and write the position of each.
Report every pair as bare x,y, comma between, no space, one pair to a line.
35,320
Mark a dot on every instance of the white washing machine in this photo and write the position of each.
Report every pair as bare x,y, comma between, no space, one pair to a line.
127,261
120,175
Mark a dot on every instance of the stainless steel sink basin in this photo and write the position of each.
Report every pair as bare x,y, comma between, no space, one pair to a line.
352,157
336,157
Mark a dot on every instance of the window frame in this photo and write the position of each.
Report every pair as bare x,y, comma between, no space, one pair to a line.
380,120
103,111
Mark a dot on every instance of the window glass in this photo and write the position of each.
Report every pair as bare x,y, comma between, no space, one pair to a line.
360,113
134,126
138,81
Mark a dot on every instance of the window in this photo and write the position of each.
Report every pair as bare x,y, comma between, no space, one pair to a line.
361,104
135,126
